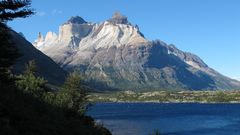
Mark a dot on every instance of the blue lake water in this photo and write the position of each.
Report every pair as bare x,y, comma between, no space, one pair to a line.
169,119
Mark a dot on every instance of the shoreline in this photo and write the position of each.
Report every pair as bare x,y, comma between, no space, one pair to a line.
201,97
132,102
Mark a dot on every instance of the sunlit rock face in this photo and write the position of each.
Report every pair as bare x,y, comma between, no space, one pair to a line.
114,54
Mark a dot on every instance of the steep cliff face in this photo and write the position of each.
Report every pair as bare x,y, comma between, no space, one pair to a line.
46,67
116,54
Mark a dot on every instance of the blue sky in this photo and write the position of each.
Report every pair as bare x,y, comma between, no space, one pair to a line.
208,28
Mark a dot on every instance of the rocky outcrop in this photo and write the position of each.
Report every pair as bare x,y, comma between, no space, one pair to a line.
76,20
117,18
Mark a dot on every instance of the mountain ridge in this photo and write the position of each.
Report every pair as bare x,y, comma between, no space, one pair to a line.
117,54
46,67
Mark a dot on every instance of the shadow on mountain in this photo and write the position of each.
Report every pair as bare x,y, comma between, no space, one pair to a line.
47,67
96,85
22,114
196,80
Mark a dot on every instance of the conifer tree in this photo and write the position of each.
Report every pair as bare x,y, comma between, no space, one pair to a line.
73,94
31,83
10,9
8,53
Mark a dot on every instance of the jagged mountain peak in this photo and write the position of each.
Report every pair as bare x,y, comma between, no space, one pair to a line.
40,37
46,67
118,15
118,18
76,20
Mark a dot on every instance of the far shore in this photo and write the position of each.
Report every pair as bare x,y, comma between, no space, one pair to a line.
201,97
156,102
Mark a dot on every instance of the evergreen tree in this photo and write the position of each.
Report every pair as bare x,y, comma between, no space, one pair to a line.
10,9
30,83
73,94
8,53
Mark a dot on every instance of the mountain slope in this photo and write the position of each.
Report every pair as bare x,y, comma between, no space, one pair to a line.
46,67
116,54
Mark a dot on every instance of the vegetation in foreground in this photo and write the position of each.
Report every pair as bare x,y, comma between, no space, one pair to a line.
27,105
26,113
169,97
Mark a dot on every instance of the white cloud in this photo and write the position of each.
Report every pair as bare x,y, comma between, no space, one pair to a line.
55,12
41,13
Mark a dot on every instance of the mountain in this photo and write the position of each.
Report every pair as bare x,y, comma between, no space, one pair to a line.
115,54
237,78
46,67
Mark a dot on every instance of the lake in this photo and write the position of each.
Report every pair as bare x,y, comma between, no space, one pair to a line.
168,118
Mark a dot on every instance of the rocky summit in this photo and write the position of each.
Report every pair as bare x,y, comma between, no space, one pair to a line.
114,54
